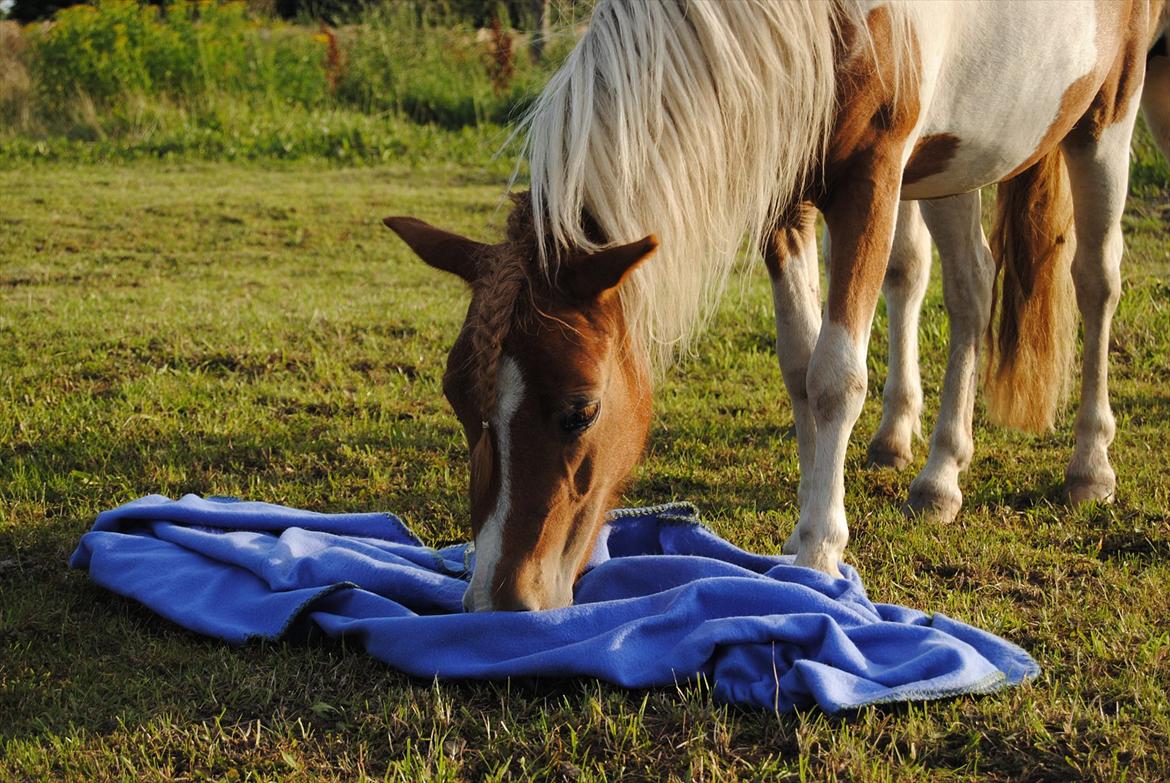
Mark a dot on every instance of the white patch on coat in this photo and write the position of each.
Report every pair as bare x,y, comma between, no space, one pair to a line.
999,121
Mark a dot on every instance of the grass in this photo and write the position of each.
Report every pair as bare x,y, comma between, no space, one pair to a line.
252,330
231,133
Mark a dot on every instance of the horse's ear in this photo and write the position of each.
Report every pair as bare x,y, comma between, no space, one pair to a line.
441,249
595,276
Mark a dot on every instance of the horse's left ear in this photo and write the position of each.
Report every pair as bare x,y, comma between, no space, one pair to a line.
594,276
440,249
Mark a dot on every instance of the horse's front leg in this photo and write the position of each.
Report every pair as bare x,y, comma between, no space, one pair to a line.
790,253
860,215
904,288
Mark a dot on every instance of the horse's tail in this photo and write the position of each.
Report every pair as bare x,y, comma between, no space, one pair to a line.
1030,346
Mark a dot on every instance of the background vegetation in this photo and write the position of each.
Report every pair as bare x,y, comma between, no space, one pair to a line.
207,79
196,295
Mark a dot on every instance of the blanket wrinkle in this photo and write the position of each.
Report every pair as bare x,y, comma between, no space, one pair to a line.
663,601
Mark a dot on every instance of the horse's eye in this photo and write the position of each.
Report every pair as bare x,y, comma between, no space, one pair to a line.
581,417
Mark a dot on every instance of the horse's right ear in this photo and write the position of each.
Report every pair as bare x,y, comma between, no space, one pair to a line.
440,249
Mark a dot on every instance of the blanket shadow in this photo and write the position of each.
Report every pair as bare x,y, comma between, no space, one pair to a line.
127,669
323,472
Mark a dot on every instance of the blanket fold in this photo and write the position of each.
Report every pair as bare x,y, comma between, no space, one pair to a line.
663,601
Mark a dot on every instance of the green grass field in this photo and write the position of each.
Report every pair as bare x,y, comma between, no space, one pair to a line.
246,330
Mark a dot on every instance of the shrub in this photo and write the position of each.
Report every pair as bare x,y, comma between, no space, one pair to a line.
400,61
14,80
181,52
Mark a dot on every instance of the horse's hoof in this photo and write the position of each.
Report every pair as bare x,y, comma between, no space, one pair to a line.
1086,489
933,501
792,545
887,455
826,565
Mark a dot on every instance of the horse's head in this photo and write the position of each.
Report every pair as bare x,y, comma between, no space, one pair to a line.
554,398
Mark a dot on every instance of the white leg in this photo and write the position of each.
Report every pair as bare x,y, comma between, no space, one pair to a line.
904,288
968,273
791,258
1099,176
836,383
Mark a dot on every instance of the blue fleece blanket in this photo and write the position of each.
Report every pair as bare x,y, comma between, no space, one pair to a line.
664,601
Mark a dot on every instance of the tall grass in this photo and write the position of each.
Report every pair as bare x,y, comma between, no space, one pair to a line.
447,77
211,79
14,78
1149,171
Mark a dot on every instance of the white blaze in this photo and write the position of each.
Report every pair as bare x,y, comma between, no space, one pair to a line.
489,541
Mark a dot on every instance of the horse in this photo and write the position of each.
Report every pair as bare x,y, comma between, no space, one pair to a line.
676,129
935,491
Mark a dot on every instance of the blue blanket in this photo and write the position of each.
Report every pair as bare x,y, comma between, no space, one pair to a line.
664,601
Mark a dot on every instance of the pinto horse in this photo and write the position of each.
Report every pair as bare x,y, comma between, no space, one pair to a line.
935,492
705,122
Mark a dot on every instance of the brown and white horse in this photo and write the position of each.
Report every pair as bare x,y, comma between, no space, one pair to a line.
935,491
705,122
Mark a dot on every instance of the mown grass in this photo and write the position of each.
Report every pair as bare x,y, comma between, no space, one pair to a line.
254,331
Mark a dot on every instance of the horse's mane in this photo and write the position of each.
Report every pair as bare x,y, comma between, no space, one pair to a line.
695,121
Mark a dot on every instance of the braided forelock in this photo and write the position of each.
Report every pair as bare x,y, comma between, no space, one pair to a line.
497,292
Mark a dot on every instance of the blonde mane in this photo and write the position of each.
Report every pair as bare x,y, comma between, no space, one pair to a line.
695,121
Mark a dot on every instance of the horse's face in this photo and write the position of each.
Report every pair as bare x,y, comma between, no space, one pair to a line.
555,402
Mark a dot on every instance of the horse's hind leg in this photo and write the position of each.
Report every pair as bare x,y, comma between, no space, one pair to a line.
1156,95
1098,168
968,275
790,254
904,288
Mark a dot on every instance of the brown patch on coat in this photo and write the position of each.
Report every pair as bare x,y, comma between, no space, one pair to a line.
861,221
868,114
863,171
1101,97
930,156
1124,78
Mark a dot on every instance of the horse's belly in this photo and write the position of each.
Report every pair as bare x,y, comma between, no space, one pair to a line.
995,78
969,167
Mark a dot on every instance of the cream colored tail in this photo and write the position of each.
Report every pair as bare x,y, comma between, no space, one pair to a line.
1030,343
